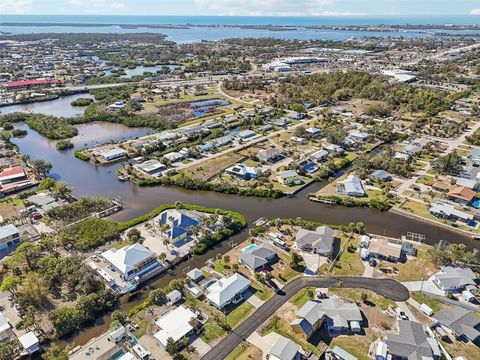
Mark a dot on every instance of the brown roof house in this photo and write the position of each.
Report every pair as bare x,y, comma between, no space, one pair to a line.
461,194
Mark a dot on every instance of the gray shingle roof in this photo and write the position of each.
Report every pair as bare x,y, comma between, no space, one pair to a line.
411,341
456,277
284,349
459,320
322,238
258,256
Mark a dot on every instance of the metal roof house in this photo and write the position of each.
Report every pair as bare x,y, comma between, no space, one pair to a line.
176,324
284,349
412,343
454,278
132,261
319,241
225,291
175,224
351,186
257,258
242,171
460,322
9,236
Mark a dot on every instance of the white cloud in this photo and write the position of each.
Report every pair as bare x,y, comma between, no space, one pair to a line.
272,7
475,11
16,6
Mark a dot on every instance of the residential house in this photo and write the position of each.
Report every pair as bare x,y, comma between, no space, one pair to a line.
474,155
246,134
284,349
242,172
308,165
226,291
117,105
151,167
5,328
338,316
173,296
195,275
447,211
132,261
9,236
459,322
462,195
289,178
351,186
381,175
333,148
176,224
298,140
319,156
412,343
319,241
384,249
176,324
337,353
469,183
12,174
454,278
30,343
174,157
270,155
113,154
258,257
314,132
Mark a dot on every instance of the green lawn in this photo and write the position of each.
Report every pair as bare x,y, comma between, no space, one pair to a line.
239,314
300,298
349,263
262,292
244,352
211,331
356,295
356,345
434,304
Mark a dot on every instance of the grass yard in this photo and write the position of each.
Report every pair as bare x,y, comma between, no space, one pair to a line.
211,331
356,295
239,314
244,352
434,304
357,345
468,351
262,292
349,263
300,298
10,207
209,168
415,270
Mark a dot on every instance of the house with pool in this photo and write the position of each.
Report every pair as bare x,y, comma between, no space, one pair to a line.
176,225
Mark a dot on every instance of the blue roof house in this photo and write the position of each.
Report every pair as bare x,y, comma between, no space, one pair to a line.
175,224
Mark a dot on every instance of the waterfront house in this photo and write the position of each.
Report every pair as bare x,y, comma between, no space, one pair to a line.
319,156
12,174
269,155
284,349
151,167
289,178
257,258
411,343
113,154
384,249
319,241
351,186
459,322
462,195
454,278
132,261
448,211
9,236
242,172
173,297
225,291
176,324
176,224
117,105
195,275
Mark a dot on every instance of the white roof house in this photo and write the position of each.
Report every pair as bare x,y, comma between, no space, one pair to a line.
131,260
351,186
284,349
176,324
222,292
30,342
4,327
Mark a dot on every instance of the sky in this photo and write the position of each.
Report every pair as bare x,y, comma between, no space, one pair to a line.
243,7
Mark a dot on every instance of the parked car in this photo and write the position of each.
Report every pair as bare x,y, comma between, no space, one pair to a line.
372,262
37,216
19,311
402,316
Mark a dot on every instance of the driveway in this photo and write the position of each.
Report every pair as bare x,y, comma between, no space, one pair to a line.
388,288
428,285
264,343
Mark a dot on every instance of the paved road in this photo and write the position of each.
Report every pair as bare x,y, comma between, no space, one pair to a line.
390,289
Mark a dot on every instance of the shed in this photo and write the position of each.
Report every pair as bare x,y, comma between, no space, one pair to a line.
174,296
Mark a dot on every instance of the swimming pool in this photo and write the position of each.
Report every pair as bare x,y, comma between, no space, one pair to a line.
249,247
476,203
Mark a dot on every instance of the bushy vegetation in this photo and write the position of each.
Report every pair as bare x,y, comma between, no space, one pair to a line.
90,233
63,145
449,164
81,102
78,210
79,154
53,127
457,254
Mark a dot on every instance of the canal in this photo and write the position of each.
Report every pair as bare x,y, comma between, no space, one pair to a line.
88,179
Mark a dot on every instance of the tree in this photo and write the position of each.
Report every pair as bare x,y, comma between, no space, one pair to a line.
27,252
449,164
171,347
41,167
363,296
235,267
56,352
310,294
119,317
6,351
295,261
33,290
134,235
47,184
300,131
62,190
10,284
157,296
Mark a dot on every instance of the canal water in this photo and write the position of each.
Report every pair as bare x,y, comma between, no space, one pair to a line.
88,179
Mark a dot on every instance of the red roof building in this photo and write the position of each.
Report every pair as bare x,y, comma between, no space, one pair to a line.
12,173
31,83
